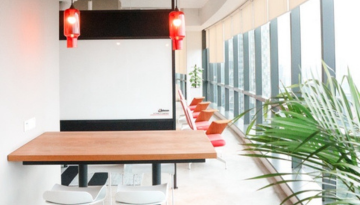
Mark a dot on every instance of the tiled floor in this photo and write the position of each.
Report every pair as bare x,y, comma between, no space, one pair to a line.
211,184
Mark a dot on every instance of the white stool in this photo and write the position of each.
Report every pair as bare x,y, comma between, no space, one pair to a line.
146,195
73,195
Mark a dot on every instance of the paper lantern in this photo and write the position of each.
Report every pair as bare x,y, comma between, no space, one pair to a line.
72,26
177,28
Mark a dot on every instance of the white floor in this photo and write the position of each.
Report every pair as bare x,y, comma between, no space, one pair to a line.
211,184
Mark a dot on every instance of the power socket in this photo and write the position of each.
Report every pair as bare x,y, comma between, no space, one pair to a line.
30,124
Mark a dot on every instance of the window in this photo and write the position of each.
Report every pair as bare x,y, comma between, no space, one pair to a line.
231,105
284,51
252,87
253,107
347,41
231,62
265,60
240,60
214,88
240,123
222,108
221,67
310,39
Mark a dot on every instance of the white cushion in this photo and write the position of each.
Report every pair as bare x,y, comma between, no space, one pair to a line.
60,194
156,194
140,197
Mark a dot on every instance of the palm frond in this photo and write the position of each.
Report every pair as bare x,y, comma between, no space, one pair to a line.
320,126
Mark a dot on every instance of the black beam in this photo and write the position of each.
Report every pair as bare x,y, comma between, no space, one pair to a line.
118,125
121,24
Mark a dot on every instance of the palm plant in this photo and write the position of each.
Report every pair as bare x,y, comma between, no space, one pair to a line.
321,128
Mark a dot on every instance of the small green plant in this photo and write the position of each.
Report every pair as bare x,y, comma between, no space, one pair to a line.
195,77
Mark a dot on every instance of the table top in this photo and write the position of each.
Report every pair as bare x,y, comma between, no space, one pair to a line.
115,146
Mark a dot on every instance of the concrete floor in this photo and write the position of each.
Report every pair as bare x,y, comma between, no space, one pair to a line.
211,184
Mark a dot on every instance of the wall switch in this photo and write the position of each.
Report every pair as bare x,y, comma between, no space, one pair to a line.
30,124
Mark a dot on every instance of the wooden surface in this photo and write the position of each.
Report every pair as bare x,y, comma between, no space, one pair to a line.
115,146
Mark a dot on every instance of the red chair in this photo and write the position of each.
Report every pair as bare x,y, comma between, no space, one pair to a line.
213,132
202,119
195,101
196,104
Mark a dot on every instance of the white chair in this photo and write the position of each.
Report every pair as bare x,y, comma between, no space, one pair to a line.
144,195
168,168
73,195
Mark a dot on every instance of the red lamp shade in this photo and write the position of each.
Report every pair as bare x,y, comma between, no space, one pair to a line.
177,28
71,26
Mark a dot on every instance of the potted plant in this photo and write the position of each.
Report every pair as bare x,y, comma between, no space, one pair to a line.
195,77
322,129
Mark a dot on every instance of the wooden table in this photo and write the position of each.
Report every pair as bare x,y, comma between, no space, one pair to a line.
115,147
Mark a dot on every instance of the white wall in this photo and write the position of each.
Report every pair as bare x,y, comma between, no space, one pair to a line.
29,64
193,56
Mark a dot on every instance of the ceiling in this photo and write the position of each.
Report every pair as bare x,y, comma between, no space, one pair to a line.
150,4
200,14
192,3
163,3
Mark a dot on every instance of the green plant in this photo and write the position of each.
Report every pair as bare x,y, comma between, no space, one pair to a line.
195,77
321,128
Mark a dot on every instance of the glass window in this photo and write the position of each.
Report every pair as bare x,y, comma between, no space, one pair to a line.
252,87
241,103
284,51
214,72
241,61
214,89
252,105
347,41
265,60
222,71
209,92
231,104
310,39
222,109
209,73
218,73
240,122
231,62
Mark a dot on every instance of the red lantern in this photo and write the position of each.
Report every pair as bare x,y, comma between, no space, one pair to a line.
72,25
177,28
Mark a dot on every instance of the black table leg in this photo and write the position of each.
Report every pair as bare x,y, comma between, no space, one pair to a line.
175,177
156,173
83,175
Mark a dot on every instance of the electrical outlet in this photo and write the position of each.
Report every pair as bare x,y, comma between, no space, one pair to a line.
30,124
